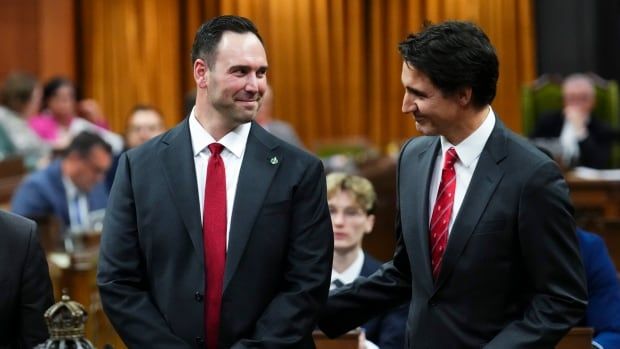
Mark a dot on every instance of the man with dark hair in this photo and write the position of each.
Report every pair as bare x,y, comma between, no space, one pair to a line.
487,252
218,234
70,188
26,288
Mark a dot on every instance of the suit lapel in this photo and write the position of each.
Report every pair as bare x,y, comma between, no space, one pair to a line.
485,179
260,163
415,206
178,164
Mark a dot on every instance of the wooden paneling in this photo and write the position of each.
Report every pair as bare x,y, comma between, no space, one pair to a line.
38,36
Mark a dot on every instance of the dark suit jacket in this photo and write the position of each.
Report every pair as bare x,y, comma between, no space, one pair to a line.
594,151
603,313
388,330
43,193
25,286
151,268
511,274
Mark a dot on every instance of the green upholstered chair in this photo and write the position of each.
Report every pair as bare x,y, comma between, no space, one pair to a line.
545,95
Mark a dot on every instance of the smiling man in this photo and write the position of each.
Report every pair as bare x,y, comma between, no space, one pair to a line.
218,234
487,252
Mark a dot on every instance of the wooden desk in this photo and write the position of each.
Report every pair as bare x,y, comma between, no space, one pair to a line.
577,338
347,341
594,199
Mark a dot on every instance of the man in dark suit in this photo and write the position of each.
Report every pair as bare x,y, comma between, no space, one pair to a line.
583,139
255,272
25,286
351,202
487,252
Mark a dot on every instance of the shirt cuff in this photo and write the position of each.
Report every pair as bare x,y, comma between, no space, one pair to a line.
596,345
371,345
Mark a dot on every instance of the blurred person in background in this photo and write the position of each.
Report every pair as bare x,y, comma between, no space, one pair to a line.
59,122
20,98
351,202
278,128
144,122
584,140
70,188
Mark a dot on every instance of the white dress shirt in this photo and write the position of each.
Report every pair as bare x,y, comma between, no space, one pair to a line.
234,143
77,205
347,277
351,273
469,151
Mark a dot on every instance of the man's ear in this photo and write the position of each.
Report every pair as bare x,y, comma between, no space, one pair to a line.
464,96
200,73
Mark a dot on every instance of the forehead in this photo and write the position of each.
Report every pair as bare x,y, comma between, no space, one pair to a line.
144,116
343,198
578,86
241,49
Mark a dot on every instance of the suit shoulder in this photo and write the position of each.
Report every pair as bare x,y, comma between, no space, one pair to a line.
525,152
15,226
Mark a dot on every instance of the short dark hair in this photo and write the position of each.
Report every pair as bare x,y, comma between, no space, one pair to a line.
454,54
52,86
17,91
210,33
84,142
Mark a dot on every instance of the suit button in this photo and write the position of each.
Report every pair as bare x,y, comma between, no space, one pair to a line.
200,341
198,297
432,303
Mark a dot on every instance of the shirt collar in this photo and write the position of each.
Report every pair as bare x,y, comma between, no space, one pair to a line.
471,147
234,141
70,188
352,272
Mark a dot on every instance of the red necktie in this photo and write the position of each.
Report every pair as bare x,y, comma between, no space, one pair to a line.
214,231
440,220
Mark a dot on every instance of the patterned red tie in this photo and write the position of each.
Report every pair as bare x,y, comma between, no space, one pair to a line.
214,234
440,220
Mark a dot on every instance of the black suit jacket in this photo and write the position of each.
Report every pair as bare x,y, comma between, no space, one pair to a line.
594,150
511,275
151,269
25,286
387,331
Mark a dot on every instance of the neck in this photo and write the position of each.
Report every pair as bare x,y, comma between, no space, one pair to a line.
473,119
344,259
213,122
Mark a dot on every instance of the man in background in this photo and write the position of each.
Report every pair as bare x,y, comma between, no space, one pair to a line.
278,128
70,188
351,202
144,122
584,140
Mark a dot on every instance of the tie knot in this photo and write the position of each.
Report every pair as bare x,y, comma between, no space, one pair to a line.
215,148
450,158
337,283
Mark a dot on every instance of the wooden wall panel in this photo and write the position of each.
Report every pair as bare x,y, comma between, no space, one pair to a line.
38,37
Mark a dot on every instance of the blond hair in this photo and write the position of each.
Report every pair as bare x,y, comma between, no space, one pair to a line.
361,188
